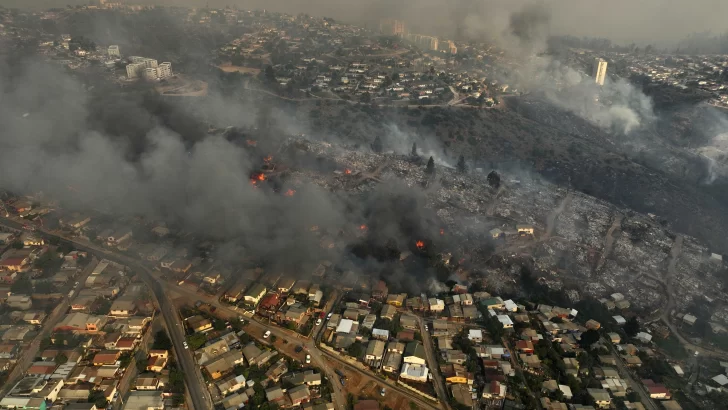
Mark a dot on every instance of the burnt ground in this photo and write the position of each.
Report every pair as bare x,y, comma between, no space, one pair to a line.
650,172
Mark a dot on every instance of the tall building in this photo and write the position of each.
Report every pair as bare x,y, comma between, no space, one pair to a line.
150,74
134,70
392,27
600,71
164,70
451,47
114,52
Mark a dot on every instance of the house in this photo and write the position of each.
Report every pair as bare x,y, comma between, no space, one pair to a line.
157,360
414,372
436,305
235,293
406,336
368,321
566,391
475,335
106,357
274,394
147,383
224,363
235,401
212,278
492,303
510,306
524,229
255,293
392,362
20,302
601,397
119,236
388,312
396,300
644,337
285,284
506,321
251,352
230,384
455,356
414,353
689,319
408,322
494,390
614,338
126,343
299,394
80,322
199,323
592,324
375,350
345,326
277,370
122,308
657,391
455,373
524,346
352,314
380,334
15,264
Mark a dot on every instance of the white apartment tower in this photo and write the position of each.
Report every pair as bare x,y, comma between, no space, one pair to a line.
134,70
164,70
600,71
114,52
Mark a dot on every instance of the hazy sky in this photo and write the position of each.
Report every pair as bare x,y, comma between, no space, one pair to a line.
641,21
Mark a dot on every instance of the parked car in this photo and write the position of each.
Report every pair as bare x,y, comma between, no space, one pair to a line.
266,334
308,359
299,349
329,315
383,392
318,321
186,345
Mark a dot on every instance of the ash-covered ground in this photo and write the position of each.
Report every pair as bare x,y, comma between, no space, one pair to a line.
580,242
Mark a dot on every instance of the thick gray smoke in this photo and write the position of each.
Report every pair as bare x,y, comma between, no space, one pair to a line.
658,22
616,106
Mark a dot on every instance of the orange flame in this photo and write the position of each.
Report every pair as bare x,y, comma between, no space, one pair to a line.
347,171
269,158
442,232
261,177
290,192
420,244
363,227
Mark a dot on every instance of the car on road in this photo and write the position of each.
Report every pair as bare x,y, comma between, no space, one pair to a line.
318,321
343,381
383,392
308,359
186,345
266,334
299,349
427,329
328,317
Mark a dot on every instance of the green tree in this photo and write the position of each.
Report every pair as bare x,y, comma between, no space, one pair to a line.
141,364
462,167
270,74
377,145
101,306
196,340
60,359
17,245
22,286
219,324
632,327
356,350
430,166
161,341
588,338
45,287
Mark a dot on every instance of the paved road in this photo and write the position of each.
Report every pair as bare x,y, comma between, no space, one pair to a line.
283,334
635,385
317,354
433,364
195,383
